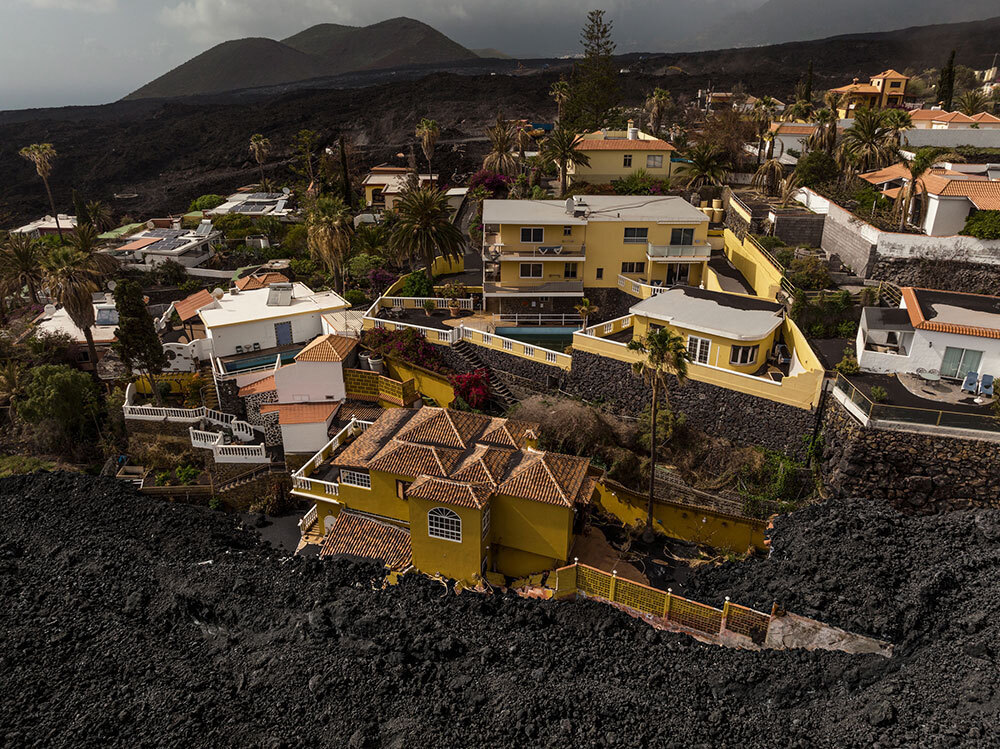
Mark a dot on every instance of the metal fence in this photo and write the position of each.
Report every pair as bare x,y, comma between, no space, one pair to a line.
663,605
910,415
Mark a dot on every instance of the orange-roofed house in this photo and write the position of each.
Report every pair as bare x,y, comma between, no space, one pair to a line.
945,333
887,90
472,493
616,154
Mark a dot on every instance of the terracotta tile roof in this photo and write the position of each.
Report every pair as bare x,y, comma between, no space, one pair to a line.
508,433
450,492
546,477
922,312
623,144
925,114
359,410
407,459
792,128
985,117
887,174
586,492
486,465
188,307
890,73
301,413
440,426
856,88
953,117
327,348
983,193
261,386
356,535
251,283
372,440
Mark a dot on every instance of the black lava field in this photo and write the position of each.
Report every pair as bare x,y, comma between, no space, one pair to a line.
132,622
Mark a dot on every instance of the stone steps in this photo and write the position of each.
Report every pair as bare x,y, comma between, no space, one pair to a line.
498,389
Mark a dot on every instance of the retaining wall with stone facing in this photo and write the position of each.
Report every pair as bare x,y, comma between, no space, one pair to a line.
742,418
915,473
947,275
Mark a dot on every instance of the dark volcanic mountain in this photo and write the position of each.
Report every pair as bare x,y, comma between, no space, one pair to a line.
323,50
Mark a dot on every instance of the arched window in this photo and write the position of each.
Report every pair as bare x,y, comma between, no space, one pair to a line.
444,523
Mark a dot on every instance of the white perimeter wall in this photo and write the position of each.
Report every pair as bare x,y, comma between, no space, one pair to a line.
225,339
926,351
310,381
304,438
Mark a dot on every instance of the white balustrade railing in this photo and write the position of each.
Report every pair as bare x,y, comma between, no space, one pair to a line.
539,319
312,514
301,480
417,302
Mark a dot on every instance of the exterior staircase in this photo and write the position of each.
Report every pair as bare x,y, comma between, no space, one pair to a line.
498,390
249,475
209,398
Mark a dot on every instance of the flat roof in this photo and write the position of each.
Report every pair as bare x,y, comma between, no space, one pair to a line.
953,312
647,208
60,322
740,318
249,306
882,318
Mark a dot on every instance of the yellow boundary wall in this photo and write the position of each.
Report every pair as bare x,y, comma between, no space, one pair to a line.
428,383
756,267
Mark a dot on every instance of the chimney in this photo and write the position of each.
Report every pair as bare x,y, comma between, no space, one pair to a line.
633,131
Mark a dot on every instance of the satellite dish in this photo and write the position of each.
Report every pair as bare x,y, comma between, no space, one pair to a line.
112,285
286,191
218,293
50,309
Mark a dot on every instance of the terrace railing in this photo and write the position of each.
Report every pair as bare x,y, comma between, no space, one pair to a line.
301,480
678,250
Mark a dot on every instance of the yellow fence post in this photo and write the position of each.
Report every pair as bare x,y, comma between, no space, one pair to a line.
666,604
614,586
725,614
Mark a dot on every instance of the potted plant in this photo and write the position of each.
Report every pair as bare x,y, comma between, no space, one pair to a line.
429,306
375,362
453,292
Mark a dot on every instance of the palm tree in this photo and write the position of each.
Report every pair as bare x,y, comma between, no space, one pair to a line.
260,147
662,353
833,101
424,229
972,102
13,381
585,309
562,148
897,120
522,141
787,189
21,257
707,165
560,92
428,132
761,116
824,137
800,110
328,235
100,215
922,161
768,176
868,142
84,240
657,104
501,158
42,155
71,278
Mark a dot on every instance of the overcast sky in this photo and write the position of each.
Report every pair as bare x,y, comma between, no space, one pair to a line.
60,52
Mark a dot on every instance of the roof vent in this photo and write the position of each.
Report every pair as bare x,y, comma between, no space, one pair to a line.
570,204
279,295
632,133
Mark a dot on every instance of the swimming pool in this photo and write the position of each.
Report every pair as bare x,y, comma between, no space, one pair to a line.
287,357
554,339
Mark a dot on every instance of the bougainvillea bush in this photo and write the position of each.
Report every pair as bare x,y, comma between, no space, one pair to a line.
473,388
407,344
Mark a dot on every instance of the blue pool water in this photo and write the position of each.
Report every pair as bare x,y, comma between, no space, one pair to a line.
287,357
554,339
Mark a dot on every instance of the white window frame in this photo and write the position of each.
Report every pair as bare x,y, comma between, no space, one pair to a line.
633,267
520,270
736,354
569,270
567,231
654,161
627,161
444,524
685,233
533,229
356,478
641,235
486,520
696,346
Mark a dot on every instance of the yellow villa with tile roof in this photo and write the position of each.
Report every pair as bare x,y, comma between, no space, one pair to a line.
472,493
887,90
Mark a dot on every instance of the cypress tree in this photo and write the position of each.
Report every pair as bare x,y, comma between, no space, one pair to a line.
138,345
808,94
946,83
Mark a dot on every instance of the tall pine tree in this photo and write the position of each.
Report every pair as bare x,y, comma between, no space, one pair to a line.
946,83
138,344
594,90
808,93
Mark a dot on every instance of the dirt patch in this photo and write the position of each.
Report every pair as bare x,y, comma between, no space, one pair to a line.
130,621
592,548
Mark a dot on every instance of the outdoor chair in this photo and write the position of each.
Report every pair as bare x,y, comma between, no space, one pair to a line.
256,347
986,386
970,383
239,349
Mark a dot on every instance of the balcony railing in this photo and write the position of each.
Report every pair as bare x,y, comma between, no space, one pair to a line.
536,252
678,250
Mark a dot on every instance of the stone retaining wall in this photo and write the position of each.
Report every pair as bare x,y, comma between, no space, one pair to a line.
799,229
916,473
742,418
611,303
949,275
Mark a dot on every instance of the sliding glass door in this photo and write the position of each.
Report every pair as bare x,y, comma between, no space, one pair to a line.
958,362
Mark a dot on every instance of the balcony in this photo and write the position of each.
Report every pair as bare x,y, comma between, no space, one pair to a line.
552,288
679,252
496,252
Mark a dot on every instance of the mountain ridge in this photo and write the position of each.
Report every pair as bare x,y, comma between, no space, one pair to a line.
321,50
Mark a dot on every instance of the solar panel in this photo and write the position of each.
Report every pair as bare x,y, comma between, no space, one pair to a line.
165,233
168,244
204,229
258,196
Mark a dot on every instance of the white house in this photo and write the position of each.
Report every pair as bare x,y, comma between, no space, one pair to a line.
305,396
57,320
941,332
155,246
46,226
275,317
256,204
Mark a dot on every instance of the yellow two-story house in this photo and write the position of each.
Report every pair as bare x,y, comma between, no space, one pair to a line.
446,492
887,90
543,255
613,154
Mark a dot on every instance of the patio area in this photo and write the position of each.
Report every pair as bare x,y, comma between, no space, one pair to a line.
440,319
910,391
